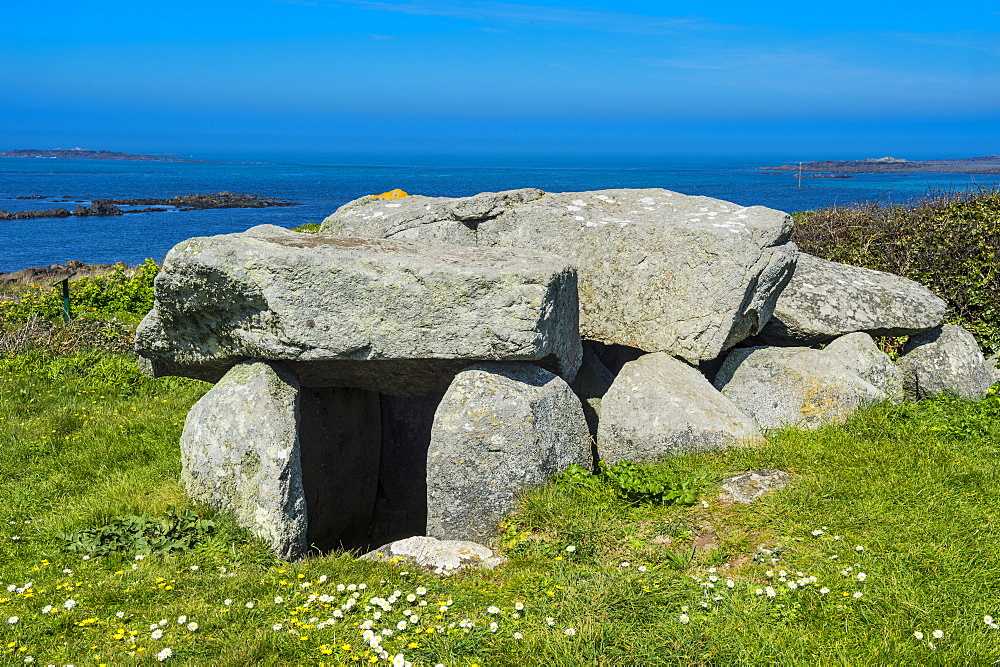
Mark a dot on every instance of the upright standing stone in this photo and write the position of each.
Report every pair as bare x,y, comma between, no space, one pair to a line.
240,453
945,359
500,429
659,406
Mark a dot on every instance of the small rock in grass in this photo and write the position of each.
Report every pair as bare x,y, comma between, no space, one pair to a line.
750,486
433,554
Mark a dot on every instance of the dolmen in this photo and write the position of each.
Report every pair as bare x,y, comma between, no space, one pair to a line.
421,361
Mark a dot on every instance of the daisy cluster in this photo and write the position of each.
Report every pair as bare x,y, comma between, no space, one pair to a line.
780,585
351,621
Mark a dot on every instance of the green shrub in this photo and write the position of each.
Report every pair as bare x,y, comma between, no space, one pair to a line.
950,244
116,295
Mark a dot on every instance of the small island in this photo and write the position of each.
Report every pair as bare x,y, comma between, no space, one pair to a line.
987,164
106,207
87,154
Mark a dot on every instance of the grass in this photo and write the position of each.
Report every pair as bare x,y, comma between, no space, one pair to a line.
84,439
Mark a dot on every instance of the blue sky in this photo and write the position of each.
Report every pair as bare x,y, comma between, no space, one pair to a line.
849,78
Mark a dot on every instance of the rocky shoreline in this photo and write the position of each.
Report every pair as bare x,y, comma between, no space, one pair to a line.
109,207
87,154
987,164
45,275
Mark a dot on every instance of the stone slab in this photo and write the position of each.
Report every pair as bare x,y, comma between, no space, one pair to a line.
825,300
391,316
658,270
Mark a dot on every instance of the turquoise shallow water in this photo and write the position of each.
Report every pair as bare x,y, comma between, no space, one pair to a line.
322,186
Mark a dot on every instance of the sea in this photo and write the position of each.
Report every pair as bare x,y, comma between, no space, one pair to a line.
320,184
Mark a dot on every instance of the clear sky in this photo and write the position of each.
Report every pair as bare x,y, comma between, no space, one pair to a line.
807,80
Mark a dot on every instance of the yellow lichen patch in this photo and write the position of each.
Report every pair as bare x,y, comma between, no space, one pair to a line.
392,194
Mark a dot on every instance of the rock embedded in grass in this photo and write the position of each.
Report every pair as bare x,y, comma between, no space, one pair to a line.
794,386
659,406
750,486
439,556
825,300
945,359
658,270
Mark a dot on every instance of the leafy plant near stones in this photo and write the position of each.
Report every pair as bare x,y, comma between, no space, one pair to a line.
949,243
176,531
630,481
127,296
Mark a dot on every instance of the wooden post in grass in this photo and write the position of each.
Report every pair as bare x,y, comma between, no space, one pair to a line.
67,313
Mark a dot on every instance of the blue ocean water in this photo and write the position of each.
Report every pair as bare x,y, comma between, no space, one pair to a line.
320,186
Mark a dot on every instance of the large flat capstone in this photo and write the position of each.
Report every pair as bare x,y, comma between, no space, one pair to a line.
658,270
392,316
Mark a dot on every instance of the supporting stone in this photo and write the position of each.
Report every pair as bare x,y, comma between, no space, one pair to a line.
659,406
240,453
793,386
501,428
945,359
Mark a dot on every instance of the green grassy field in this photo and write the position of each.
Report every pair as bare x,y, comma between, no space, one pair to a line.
889,529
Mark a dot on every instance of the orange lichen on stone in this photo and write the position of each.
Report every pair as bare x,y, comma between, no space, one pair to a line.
391,194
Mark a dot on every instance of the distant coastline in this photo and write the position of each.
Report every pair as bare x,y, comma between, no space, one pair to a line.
87,154
987,164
